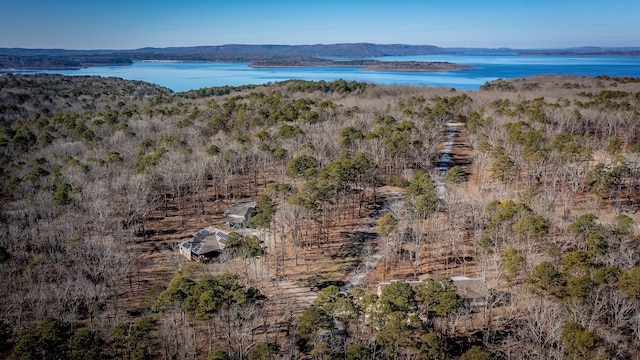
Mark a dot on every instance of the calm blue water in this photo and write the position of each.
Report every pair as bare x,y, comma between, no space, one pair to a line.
180,76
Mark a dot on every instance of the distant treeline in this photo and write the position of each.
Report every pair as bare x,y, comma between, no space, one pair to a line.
46,62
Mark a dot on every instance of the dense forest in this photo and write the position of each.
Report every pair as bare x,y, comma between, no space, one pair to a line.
394,222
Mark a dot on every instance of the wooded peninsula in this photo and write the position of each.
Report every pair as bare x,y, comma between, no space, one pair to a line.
389,222
9,63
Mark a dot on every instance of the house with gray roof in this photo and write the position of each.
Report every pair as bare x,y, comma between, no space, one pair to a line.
208,243
204,245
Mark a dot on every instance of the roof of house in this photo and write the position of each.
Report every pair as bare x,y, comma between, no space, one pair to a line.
206,241
237,212
211,239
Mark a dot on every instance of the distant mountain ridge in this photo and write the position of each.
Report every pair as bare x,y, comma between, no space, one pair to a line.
339,50
330,50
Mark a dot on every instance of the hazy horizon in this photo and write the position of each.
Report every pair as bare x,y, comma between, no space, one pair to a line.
126,25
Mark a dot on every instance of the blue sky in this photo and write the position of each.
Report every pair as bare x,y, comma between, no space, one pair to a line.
131,24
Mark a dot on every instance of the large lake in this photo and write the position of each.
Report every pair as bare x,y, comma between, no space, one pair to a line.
182,76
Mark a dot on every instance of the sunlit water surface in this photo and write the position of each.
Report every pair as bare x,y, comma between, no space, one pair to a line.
182,76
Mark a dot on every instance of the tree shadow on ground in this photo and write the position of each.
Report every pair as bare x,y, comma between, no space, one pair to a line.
353,244
324,284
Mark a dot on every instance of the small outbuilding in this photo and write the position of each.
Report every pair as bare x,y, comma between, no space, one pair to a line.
237,215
